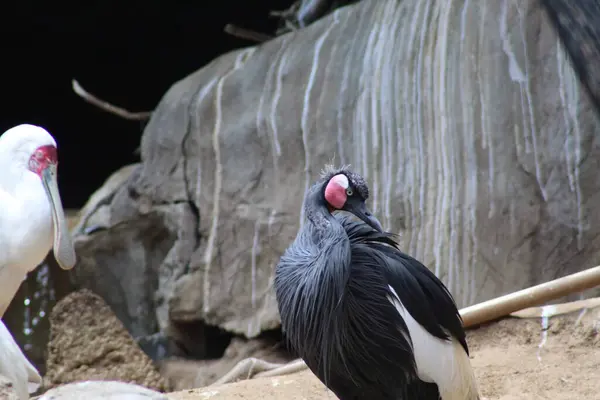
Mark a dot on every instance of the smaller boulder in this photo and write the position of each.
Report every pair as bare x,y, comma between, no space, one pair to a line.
106,390
88,342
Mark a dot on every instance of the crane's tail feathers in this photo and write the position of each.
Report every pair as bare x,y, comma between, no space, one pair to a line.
442,361
463,384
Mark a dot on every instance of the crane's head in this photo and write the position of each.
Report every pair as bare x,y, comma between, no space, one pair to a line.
347,191
28,149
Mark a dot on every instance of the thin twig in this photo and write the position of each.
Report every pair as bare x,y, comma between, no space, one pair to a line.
288,17
247,34
247,369
103,105
287,13
292,367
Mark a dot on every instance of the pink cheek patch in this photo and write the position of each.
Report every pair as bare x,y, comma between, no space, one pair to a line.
335,195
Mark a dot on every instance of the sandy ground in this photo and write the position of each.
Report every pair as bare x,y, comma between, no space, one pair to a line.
514,359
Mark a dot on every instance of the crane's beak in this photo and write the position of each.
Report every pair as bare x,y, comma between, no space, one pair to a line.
64,252
360,210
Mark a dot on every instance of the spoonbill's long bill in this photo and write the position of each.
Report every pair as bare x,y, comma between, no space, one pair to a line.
32,221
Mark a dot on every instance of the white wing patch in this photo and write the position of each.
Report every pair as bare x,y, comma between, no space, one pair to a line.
443,362
341,180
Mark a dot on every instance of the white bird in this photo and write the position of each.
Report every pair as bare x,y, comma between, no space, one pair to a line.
15,366
32,219
32,222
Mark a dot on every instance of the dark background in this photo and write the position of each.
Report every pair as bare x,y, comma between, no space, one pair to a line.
125,52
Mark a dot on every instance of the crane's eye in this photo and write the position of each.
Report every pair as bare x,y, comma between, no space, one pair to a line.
349,192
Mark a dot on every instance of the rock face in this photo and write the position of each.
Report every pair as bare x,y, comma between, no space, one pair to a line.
578,28
131,278
87,342
466,118
188,374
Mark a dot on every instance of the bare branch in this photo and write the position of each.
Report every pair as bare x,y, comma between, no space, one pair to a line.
292,367
247,34
103,105
287,13
247,369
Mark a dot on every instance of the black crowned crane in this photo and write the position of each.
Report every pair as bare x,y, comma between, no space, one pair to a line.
31,223
371,322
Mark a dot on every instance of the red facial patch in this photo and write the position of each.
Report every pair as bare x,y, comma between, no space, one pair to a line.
42,157
335,193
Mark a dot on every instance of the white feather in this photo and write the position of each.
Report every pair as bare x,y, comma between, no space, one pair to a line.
341,180
443,362
16,367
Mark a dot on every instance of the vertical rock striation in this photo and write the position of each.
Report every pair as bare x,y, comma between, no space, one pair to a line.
466,117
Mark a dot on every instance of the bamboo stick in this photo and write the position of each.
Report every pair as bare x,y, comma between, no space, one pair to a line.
533,296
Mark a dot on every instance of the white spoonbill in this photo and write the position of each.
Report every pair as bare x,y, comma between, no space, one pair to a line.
32,220
16,367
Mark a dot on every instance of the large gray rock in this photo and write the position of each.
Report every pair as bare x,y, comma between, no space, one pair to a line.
466,118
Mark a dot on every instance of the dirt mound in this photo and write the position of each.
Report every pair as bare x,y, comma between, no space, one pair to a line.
556,358
87,342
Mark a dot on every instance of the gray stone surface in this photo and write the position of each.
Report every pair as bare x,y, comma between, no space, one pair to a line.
106,390
466,118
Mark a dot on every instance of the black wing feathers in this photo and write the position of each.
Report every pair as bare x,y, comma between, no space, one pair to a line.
411,280
333,298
